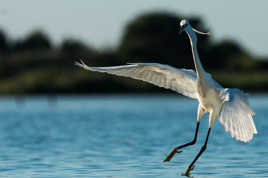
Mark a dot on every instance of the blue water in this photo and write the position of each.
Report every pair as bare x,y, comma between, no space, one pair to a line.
121,136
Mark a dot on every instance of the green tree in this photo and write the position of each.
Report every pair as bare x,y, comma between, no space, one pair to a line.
154,37
3,41
225,55
73,46
37,40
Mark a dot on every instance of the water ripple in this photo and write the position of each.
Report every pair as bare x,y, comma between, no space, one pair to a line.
117,136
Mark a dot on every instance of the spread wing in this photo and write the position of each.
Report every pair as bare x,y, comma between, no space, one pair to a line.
236,115
180,80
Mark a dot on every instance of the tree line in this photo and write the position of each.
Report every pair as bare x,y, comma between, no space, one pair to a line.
33,65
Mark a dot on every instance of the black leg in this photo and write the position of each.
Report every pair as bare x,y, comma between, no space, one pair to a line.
203,148
175,150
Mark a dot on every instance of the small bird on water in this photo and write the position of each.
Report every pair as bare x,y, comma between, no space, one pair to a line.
229,106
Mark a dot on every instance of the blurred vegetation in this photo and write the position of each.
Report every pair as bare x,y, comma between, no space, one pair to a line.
33,65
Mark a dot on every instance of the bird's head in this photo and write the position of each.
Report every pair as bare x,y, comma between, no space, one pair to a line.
186,26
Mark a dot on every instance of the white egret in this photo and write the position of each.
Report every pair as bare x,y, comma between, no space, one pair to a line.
229,106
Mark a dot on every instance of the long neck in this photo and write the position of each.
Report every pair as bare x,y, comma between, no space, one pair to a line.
198,66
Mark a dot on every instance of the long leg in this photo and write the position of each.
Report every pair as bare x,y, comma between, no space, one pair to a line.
175,150
203,148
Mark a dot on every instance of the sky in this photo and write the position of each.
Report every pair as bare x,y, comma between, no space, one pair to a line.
100,23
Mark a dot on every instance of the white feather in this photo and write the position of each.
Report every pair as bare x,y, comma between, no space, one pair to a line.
236,115
180,80
229,106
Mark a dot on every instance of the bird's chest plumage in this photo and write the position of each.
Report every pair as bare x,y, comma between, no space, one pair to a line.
208,96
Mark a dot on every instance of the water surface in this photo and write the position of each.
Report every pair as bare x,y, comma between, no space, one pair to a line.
121,136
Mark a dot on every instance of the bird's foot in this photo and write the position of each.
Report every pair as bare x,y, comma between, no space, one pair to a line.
187,172
171,154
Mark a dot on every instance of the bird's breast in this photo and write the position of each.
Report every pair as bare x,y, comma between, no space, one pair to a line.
208,98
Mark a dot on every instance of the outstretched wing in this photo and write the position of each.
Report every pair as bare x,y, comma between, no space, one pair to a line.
180,80
236,115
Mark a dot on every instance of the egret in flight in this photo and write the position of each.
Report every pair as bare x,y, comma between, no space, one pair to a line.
229,106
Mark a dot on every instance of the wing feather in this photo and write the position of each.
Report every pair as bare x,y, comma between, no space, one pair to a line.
236,115
180,80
